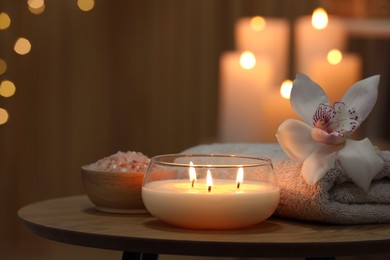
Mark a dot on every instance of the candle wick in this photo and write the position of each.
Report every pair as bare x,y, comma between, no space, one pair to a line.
238,185
209,188
192,183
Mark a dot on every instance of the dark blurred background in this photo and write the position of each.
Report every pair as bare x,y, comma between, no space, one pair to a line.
127,75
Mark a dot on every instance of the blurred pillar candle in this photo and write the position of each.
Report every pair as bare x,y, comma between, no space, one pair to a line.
276,109
317,35
266,37
245,80
336,72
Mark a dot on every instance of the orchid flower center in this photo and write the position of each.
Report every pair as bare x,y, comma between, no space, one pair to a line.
322,124
332,125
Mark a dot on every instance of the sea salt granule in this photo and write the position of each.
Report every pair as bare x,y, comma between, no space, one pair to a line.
122,162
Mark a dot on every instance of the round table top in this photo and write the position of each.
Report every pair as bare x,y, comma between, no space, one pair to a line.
74,220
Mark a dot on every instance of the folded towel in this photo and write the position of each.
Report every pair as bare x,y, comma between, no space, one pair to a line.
334,199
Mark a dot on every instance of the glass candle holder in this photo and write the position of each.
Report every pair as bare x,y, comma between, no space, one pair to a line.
210,191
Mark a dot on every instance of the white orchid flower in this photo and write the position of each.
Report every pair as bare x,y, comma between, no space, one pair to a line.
323,138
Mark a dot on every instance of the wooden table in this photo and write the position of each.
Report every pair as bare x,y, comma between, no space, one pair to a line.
74,220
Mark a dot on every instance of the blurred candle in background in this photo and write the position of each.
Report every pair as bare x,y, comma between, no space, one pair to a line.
245,81
267,37
335,72
315,36
276,108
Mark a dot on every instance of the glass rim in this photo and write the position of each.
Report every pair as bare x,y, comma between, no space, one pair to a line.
262,161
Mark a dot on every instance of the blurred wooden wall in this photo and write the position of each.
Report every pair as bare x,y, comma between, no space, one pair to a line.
128,75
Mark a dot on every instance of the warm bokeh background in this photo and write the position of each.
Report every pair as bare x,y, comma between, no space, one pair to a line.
128,75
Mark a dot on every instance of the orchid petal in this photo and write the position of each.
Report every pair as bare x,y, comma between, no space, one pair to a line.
362,96
360,161
345,120
305,97
318,163
295,139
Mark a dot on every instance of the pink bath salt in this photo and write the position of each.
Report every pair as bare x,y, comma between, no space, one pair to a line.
122,162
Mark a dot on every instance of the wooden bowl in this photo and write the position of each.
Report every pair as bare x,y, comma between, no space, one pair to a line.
114,192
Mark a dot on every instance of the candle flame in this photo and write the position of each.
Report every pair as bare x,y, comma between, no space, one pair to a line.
209,181
240,177
192,174
257,23
334,56
247,60
319,19
285,89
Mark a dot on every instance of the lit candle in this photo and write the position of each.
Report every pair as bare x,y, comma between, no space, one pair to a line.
336,72
245,78
268,37
317,35
212,203
277,108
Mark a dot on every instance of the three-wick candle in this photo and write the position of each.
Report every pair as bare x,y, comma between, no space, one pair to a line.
211,203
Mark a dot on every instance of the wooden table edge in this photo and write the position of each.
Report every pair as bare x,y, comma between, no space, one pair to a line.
201,248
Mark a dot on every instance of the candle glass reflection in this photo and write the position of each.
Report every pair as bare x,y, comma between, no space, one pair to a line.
227,191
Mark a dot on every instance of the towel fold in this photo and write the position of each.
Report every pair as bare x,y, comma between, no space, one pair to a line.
335,199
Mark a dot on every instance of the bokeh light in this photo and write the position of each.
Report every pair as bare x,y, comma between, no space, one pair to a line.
22,46
334,56
285,89
85,5
7,88
35,3
36,6
319,19
257,23
3,116
247,60
5,21
3,66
